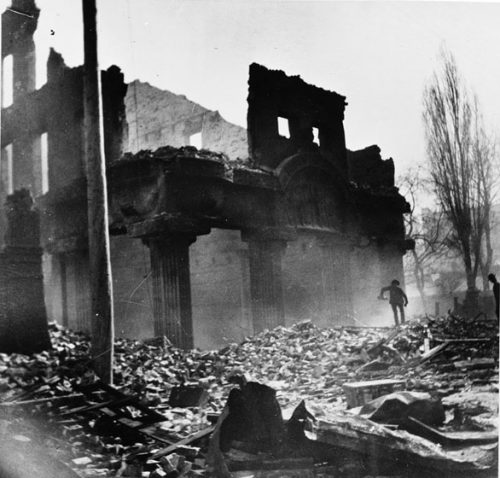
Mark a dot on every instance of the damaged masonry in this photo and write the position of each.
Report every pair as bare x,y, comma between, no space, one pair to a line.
248,235
237,241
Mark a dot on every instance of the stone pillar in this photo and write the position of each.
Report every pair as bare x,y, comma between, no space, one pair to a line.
266,288
18,27
23,319
172,288
337,280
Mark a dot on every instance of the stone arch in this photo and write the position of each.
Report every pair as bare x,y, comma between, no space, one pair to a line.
314,193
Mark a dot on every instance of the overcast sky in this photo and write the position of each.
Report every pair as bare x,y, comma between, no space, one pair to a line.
378,54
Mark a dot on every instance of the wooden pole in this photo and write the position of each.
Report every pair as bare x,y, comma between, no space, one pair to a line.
99,254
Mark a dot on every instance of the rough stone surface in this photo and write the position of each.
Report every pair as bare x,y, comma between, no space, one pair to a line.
158,117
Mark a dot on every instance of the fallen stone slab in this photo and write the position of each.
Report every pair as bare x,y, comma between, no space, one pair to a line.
396,408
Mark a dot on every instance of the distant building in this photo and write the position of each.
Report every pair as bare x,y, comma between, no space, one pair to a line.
287,223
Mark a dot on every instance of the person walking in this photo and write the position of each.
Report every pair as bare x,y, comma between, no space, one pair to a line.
496,290
397,299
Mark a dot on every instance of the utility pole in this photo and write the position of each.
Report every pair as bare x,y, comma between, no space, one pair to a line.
99,253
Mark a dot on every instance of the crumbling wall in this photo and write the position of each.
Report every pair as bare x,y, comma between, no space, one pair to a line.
57,109
159,118
368,169
273,95
221,136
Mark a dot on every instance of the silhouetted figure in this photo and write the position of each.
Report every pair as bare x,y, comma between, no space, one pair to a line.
397,299
496,291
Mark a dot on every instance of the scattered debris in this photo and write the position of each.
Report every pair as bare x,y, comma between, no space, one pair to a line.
165,401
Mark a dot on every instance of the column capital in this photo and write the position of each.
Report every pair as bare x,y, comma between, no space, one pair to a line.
168,224
170,239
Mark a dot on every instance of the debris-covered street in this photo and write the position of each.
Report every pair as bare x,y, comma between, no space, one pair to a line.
249,239
161,412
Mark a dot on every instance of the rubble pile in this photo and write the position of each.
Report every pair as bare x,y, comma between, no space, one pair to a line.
190,152
171,153
303,362
463,353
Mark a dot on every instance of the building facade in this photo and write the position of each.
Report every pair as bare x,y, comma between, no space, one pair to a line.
252,229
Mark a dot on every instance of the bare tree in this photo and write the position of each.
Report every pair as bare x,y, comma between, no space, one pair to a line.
459,155
428,228
486,159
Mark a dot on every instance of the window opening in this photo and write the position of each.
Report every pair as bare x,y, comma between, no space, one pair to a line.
7,81
283,127
316,135
195,140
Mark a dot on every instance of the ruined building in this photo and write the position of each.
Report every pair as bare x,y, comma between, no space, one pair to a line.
206,247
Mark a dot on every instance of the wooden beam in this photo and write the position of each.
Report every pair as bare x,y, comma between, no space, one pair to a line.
186,441
99,252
